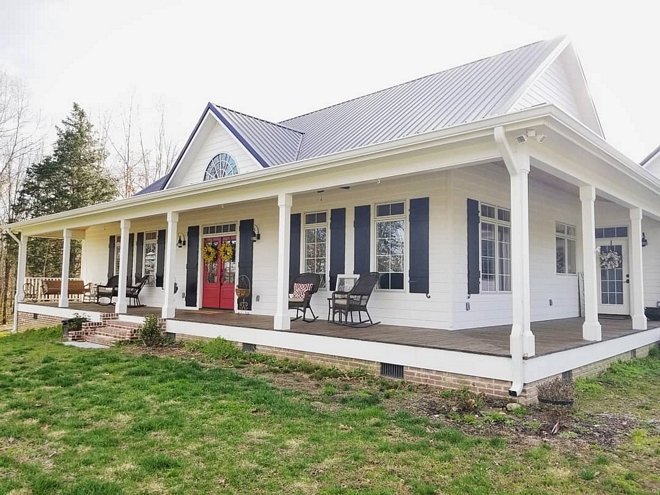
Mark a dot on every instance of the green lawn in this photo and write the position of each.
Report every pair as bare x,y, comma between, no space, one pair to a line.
122,421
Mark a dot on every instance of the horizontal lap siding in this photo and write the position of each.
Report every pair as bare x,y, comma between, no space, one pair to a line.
651,260
490,184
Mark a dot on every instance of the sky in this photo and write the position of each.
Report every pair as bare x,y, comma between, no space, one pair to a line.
279,59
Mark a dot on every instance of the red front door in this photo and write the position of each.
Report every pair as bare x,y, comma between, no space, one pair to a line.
219,274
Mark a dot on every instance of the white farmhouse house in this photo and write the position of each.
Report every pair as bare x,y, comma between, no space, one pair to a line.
506,231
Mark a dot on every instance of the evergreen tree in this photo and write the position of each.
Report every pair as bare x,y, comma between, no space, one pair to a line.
72,177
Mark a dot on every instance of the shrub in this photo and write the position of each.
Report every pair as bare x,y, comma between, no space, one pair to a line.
150,333
75,323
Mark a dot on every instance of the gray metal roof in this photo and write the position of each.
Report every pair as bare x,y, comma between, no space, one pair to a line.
463,94
649,156
467,93
275,143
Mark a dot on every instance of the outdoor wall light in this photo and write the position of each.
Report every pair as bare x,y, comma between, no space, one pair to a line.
644,241
256,235
181,240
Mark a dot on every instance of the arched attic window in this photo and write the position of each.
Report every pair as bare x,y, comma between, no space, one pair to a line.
222,165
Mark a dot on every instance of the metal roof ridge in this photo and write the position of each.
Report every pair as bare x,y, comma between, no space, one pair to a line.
415,79
649,156
288,128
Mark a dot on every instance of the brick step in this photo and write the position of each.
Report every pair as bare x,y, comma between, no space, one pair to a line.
122,324
100,339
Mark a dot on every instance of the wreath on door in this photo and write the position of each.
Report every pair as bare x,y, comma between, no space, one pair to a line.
227,251
610,260
210,254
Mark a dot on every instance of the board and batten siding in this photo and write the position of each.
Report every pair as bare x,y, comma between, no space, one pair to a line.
217,140
552,86
490,184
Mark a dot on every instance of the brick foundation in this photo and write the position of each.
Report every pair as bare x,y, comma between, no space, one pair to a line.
30,321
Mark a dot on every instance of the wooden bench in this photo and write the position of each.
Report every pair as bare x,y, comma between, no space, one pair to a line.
54,287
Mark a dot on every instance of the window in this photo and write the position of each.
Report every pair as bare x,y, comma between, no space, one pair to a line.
607,232
227,228
565,238
316,242
150,256
390,245
222,165
495,249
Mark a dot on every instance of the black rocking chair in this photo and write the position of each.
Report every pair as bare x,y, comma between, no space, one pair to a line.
356,300
133,293
108,291
302,304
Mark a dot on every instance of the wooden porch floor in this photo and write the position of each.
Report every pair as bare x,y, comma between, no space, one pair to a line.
551,336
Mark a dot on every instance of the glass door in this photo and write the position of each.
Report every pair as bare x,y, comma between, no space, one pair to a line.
613,277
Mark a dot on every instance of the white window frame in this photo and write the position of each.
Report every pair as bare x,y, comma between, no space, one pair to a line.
388,218
496,222
117,254
303,258
152,280
219,234
566,237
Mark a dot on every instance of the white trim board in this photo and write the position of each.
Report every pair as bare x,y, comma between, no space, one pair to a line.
64,313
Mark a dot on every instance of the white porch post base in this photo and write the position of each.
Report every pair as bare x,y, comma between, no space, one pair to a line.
122,303
66,254
282,321
591,329
169,307
639,322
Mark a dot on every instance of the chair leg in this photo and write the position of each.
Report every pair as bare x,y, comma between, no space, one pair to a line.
314,317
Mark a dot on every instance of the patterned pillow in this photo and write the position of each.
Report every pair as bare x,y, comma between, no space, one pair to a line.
299,290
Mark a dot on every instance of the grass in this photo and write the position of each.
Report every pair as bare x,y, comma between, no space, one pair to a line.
120,422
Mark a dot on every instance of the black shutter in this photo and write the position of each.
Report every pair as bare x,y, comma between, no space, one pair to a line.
111,256
129,268
294,247
419,246
245,230
192,266
473,246
337,244
160,259
362,241
139,248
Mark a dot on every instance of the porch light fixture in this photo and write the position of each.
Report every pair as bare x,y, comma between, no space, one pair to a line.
181,240
644,241
521,139
256,235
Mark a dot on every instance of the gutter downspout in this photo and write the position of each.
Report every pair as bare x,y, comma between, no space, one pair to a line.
516,345
18,241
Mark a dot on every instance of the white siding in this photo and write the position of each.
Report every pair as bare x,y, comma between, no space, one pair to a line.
490,184
219,140
552,86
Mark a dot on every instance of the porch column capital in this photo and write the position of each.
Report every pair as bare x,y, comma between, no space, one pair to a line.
172,216
124,224
587,193
66,234
516,159
636,214
284,200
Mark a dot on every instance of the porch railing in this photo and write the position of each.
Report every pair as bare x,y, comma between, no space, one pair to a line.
33,289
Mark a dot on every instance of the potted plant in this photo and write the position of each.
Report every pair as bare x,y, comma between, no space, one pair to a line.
559,392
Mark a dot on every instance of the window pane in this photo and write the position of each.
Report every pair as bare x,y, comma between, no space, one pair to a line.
396,281
321,217
561,255
610,232
488,256
600,233
570,231
397,209
504,257
560,228
390,253
383,210
150,262
622,231
570,256
503,215
310,218
487,211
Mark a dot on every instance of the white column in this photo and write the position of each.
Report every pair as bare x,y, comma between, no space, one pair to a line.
122,304
20,277
591,329
636,271
169,308
66,255
522,341
282,319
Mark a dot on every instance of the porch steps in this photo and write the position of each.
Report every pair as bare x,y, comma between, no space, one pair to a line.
100,339
108,331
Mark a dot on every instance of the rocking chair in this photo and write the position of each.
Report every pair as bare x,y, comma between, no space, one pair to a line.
356,300
304,286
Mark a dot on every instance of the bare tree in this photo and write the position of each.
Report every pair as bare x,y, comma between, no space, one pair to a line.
21,143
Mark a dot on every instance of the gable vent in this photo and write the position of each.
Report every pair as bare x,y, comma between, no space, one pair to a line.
249,347
391,370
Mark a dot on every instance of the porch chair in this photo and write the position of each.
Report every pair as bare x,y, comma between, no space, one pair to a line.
133,293
355,300
303,287
107,291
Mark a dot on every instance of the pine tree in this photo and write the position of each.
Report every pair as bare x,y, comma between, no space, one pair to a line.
72,177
